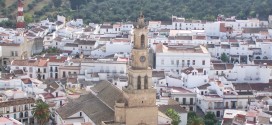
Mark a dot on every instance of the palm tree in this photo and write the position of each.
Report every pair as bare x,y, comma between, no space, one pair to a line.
195,120
41,112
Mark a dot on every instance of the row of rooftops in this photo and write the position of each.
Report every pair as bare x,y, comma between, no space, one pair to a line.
43,61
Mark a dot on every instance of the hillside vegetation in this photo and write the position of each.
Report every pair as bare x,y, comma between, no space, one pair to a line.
99,11
118,10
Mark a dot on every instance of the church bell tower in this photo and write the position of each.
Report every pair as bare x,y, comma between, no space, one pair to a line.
140,96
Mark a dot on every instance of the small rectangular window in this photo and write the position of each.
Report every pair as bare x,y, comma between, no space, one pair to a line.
177,99
184,101
188,62
203,62
162,62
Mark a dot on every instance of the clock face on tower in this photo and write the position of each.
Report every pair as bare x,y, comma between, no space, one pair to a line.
142,58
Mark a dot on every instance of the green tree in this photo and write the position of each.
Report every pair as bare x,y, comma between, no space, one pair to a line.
171,113
191,114
224,57
210,119
57,3
41,112
7,24
2,3
195,120
28,18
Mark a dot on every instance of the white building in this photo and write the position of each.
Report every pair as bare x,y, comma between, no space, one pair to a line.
102,69
53,66
183,24
54,95
109,48
177,58
34,68
15,104
257,74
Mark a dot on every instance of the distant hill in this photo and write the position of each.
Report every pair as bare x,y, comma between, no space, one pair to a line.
99,11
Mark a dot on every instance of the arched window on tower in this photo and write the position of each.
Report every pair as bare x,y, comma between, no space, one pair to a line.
142,41
139,82
145,82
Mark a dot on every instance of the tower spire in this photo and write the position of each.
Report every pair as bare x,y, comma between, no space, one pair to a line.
20,16
140,22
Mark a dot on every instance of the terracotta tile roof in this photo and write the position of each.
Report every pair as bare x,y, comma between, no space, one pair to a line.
14,102
222,66
91,105
9,44
85,42
89,29
254,30
42,62
229,66
203,87
58,39
51,87
242,86
24,63
71,45
107,92
26,81
106,26
158,74
39,62
233,40
57,59
200,37
268,62
47,95
261,86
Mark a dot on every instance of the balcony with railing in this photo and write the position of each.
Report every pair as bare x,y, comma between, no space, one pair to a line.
251,79
257,53
219,105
